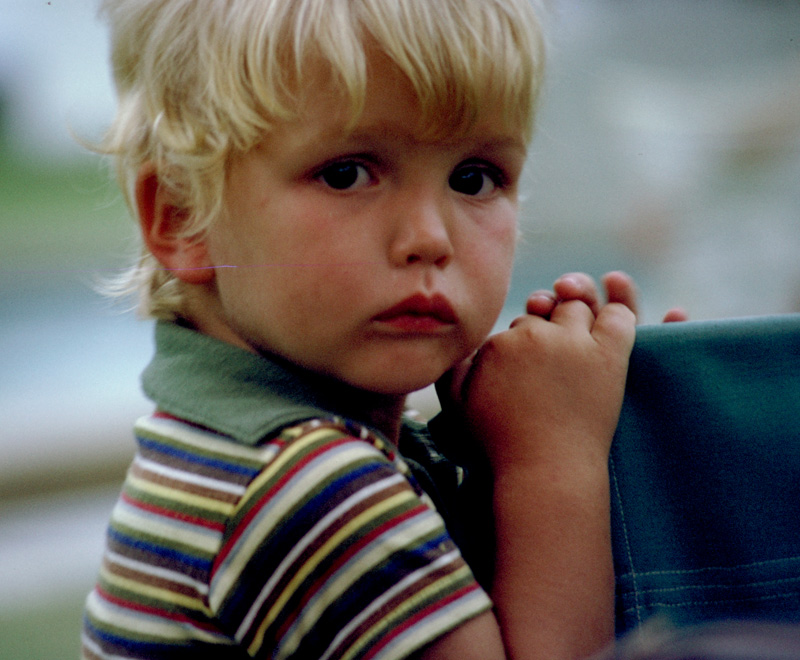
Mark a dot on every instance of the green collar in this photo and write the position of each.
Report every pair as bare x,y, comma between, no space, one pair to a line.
232,391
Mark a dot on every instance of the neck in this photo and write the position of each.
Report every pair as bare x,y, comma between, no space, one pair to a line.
386,416
383,412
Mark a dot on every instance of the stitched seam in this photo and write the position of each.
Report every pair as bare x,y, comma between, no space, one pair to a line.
720,586
690,571
722,601
632,573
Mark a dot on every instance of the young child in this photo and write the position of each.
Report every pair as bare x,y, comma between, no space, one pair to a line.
327,197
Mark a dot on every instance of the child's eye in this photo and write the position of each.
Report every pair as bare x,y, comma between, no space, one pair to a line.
475,180
345,176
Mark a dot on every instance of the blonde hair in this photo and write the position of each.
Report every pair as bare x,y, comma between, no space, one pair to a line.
200,80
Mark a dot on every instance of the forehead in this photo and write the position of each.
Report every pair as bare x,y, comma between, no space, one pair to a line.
391,106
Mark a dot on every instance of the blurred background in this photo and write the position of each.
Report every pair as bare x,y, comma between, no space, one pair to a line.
668,145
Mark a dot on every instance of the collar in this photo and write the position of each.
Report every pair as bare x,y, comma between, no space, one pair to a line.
234,392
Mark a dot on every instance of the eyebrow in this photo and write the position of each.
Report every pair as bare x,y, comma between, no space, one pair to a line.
383,132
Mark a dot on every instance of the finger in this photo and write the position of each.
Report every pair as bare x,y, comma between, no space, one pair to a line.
577,286
620,288
676,315
522,319
573,313
541,303
615,325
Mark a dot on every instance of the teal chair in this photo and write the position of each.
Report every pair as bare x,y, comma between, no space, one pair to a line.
705,474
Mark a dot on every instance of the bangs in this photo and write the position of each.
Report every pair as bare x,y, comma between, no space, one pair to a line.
460,58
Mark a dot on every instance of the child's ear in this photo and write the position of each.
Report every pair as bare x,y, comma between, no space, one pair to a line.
161,220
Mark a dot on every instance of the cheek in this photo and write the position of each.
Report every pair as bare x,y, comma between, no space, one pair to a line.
300,294
489,262
492,254
226,250
506,239
499,227
507,234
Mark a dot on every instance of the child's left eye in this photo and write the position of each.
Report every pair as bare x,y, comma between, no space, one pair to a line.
345,176
475,181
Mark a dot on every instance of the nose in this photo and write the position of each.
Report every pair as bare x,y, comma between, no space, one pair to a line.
422,234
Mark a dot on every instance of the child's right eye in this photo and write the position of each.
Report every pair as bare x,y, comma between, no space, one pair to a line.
345,176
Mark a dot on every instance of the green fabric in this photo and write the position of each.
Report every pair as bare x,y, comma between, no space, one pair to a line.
236,392
705,471
222,387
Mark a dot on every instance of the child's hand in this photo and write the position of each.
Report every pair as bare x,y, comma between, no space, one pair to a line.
542,400
550,388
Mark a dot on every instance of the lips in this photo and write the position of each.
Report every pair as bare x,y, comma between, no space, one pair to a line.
420,313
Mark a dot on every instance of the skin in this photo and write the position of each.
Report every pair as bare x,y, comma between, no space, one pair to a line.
326,230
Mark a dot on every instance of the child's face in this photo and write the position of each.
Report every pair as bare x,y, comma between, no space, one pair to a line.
330,232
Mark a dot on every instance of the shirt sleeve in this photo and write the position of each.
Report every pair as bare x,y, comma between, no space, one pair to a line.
333,552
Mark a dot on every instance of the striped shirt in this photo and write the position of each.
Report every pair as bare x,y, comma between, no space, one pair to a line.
316,544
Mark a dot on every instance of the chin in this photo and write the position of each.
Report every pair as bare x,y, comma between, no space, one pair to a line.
397,386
